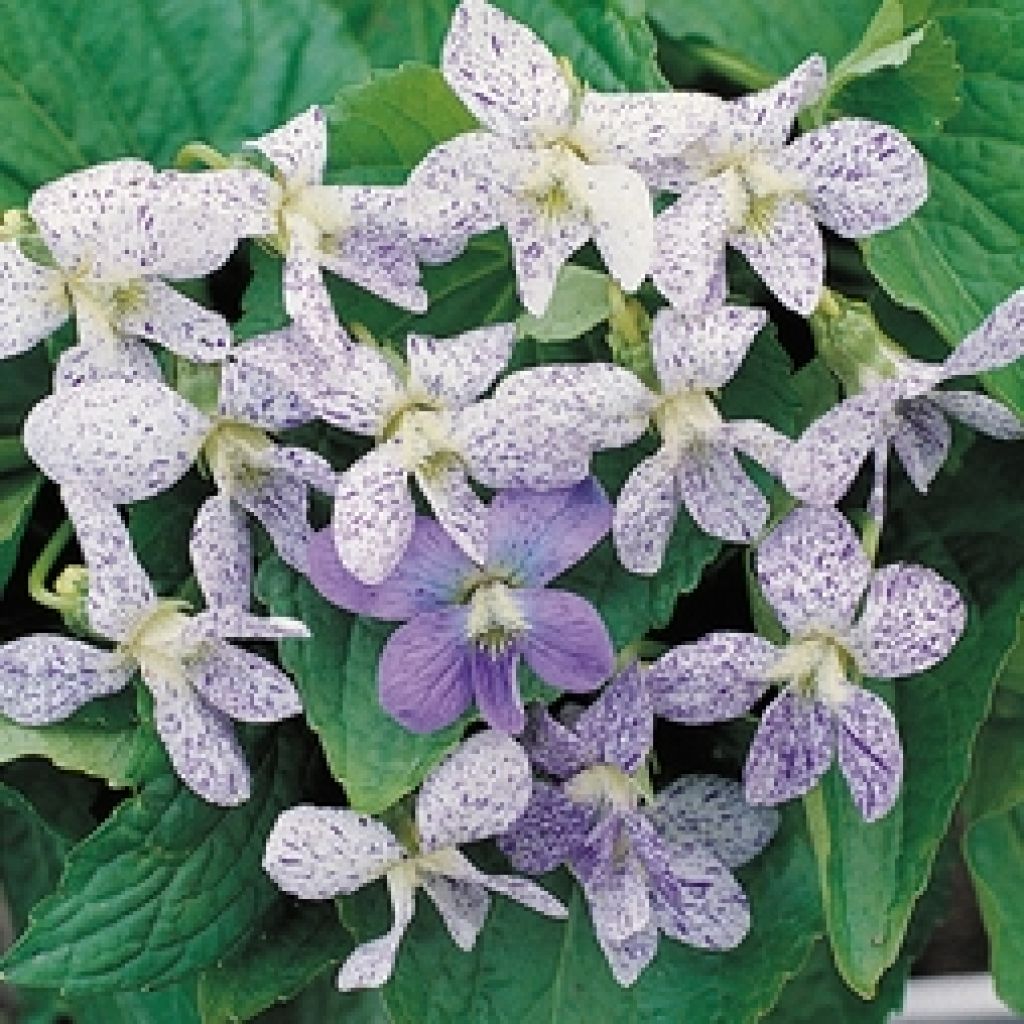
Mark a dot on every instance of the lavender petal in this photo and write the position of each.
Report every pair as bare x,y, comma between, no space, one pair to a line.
870,755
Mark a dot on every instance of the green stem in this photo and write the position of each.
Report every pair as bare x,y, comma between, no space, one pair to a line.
201,153
732,67
12,455
43,565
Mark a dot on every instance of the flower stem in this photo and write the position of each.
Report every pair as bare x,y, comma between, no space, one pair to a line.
201,153
43,565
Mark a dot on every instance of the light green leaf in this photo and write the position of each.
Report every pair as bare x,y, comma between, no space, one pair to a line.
580,302
167,885
371,755
17,496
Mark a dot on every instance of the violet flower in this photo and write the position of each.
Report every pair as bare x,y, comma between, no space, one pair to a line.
467,624
815,575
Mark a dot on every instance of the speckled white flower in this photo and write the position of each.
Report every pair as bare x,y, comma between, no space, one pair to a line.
316,853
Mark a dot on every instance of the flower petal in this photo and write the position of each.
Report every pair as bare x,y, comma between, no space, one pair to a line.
374,514
496,689
166,316
760,442
870,755
998,341
620,723
912,619
280,503
982,413
476,792
221,553
567,644
359,396
628,959
462,905
713,679
688,265
117,359
553,747
316,853
618,900
813,570
645,513
538,535
33,301
504,74
862,177
243,685
125,442
722,500
922,440
306,299
792,748
44,678
457,506
766,118
547,832
423,675
298,149
789,255
458,370
708,811
703,353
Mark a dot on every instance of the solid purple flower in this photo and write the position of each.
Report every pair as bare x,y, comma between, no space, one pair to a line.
467,624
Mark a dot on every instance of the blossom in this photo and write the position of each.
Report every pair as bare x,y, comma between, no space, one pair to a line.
647,864
905,408
127,441
198,680
745,186
114,232
815,575
467,623
316,853
550,163
696,464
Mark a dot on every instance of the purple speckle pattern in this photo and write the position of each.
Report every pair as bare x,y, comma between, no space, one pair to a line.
32,302
298,149
279,502
721,499
548,831
355,392
922,439
243,685
620,723
870,755
221,552
463,906
101,355
456,506
998,341
176,322
766,118
645,513
981,413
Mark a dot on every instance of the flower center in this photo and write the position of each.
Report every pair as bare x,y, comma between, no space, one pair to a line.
607,785
318,213
555,186
687,419
236,456
753,187
425,435
156,642
495,617
817,665
102,302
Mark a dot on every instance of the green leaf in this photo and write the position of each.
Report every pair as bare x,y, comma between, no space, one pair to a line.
528,969
392,34
579,303
26,380
371,755
166,886
85,83
173,1005
872,875
17,496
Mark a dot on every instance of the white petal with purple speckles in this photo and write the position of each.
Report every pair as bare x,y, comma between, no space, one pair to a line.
997,341
912,619
458,370
628,959
166,316
618,900
360,394
921,439
235,623
622,222
721,499
455,865
766,118
306,299
457,507
462,905
476,792
298,149
788,254
243,685
713,679
620,723
645,513
124,441
44,678
813,569
792,748
870,755
319,852
862,177
547,832
280,502
553,747
304,465
33,301
760,441
982,413
109,358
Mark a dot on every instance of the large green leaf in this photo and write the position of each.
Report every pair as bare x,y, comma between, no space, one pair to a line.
166,886
17,496
872,875
81,83
371,755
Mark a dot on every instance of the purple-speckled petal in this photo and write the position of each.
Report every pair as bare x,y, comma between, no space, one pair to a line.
645,513
792,749
980,412
538,535
110,358
234,623
820,467
458,508
620,723
813,570
124,442
861,177
381,261
221,553
279,501
298,149
628,959
688,266
243,685
316,853
504,74
622,222
477,791
458,370
370,964
119,589
997,341
306,299
870,755
788,255
306,466
566,643
496,688
553,747
709,811
463,906
44,678
766,118
721,499
711,680
188,329
703,353
374,514
760,441
921,439
423,676
33,301
547,832
359,392
618,900
912,618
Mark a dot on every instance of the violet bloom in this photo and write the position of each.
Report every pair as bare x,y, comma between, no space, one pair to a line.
814,573
467,624
316,853
199,682
647,864
907,410
744,185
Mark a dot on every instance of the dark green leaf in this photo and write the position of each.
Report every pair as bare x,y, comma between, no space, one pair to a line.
17,496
